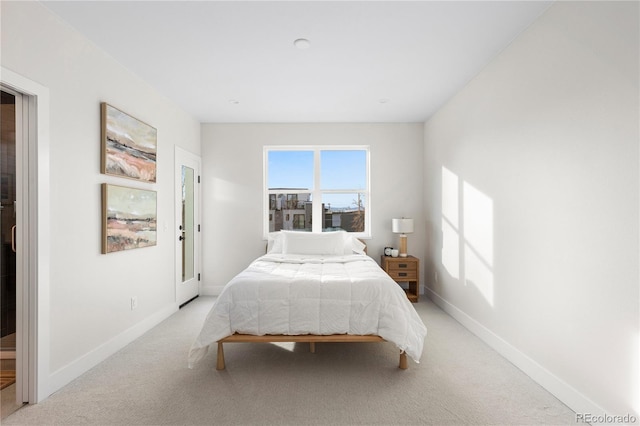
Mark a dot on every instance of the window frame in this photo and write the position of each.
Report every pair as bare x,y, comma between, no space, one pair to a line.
317,192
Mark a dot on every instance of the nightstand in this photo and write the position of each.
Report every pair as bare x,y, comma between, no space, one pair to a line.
403,270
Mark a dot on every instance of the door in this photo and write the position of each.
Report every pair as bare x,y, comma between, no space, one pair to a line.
14,375
8,260
187,226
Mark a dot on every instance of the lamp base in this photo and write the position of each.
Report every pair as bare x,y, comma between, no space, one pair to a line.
403,245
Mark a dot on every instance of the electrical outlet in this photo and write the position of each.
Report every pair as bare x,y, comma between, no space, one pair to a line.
435,276
134,303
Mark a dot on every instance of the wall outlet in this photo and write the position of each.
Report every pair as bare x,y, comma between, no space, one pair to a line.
134,303
435,276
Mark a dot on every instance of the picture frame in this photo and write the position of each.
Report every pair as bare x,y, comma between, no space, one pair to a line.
129,218
129,146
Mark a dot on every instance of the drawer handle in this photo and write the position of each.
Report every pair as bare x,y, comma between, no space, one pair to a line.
402,274
402,265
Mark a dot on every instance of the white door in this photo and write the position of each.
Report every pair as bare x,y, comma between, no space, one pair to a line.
187,226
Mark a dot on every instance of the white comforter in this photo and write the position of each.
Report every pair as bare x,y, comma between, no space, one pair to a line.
294,294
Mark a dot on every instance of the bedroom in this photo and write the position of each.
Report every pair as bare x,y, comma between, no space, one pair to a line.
565,198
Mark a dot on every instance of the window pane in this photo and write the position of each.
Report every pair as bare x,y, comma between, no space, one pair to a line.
343,211
343,169
188,227
290,211
290,169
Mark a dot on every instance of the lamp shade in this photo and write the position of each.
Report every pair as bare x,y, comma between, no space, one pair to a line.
402,226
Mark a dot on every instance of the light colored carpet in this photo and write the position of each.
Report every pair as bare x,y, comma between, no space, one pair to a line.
460,381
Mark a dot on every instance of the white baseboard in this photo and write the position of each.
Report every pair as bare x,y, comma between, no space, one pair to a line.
556,386
75,369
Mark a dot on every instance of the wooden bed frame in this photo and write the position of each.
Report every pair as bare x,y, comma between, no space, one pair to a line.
312,339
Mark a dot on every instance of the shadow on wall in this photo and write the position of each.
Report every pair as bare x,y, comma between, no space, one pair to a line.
467,234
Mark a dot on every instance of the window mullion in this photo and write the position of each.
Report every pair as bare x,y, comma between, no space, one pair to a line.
317,215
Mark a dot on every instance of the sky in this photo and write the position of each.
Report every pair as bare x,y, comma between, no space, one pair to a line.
339,169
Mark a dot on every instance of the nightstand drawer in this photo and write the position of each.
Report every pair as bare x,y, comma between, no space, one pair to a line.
403,266
403,274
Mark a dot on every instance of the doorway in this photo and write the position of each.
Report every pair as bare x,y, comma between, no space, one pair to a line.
11,120
187,213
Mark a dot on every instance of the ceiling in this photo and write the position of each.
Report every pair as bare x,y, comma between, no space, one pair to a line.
368,61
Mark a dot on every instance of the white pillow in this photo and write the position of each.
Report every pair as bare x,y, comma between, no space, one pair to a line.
298,242
353,245
274,242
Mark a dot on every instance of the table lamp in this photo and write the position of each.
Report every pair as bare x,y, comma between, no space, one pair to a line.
403,227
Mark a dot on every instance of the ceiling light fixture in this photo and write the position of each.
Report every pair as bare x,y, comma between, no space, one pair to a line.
302,43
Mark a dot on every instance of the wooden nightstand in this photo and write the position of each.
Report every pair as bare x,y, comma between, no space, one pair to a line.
403,270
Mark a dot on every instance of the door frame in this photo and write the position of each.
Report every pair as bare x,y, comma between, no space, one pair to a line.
184,157
32,304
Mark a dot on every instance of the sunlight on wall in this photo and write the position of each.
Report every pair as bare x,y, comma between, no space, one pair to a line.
478,238
450,249
450,234
467,234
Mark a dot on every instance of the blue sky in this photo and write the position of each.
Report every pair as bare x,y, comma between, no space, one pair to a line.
339,170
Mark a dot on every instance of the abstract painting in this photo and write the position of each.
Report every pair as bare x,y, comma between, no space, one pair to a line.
129,218
128,145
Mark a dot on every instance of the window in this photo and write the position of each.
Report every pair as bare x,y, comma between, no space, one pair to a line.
298,221
328,184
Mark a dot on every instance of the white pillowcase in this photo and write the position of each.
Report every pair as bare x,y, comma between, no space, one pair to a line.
353,245
329,243
348,245
274,242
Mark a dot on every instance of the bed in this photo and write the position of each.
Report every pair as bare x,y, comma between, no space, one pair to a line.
312,288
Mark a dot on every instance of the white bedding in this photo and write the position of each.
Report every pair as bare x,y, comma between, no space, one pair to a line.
313,294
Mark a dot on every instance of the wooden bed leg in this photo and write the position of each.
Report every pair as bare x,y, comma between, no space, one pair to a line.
312,347
403,361
220,364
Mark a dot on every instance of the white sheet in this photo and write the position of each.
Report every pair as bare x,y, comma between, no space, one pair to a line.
297,294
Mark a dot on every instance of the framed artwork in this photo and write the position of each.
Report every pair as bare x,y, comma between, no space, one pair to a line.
129,218
128,145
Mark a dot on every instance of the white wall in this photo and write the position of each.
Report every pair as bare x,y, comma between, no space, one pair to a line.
232,160
89,311
542,152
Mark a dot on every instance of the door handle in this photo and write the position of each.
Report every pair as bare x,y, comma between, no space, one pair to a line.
13,238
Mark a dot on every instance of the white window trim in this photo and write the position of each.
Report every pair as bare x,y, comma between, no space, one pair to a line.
316,191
